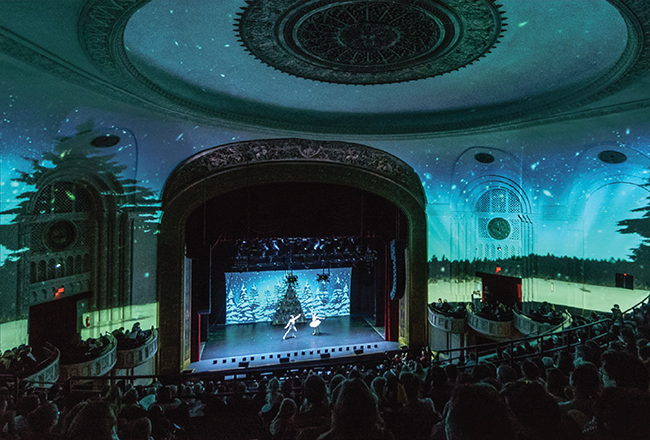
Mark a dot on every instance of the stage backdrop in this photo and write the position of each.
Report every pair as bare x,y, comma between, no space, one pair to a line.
254,296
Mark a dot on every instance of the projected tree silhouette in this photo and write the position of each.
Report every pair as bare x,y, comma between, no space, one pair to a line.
77,222
68,151
639,226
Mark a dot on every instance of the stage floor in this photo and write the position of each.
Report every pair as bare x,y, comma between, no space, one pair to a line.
253,345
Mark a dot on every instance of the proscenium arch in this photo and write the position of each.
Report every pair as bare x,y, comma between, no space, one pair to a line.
230,167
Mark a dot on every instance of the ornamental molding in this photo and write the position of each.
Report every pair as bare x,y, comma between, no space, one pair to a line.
291,151
362,42
101,27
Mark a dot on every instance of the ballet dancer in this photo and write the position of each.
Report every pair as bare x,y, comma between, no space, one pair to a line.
315,323
291,326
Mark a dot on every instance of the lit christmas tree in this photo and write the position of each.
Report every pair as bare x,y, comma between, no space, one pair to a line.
289,305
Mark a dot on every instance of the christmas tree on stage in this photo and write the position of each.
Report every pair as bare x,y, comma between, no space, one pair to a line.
289,305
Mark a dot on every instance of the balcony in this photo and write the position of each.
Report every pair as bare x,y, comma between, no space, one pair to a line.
45,373
445,322
134,357
529,326
97,366
496,330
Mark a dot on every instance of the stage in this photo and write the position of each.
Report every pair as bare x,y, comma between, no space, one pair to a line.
254,345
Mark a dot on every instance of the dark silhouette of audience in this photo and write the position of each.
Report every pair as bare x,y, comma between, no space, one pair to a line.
592,386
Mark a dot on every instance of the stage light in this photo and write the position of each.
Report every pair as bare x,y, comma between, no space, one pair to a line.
291,278
370,256
323,277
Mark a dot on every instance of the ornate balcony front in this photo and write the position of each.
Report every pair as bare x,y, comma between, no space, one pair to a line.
134,357
47,372
98,366
529,326
492,329
444,322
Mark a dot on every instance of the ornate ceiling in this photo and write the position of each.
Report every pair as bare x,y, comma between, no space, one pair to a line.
342,67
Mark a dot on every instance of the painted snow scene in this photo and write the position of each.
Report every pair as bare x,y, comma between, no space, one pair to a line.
261,296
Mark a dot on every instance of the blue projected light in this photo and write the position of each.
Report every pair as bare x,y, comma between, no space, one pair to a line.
255,296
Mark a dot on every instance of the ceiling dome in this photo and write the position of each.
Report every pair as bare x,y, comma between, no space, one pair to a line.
436,67
361,42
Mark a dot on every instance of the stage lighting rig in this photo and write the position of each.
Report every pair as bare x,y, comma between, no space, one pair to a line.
323,277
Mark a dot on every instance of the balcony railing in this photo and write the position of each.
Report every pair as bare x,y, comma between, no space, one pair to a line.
45,373
137,356
529,326
444,322
98,366
488,327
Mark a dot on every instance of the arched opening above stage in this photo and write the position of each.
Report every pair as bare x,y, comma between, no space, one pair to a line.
334,239
292,190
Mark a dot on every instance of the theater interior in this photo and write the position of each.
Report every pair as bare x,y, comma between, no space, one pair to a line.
208,169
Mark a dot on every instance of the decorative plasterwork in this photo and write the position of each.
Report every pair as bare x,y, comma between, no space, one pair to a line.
267,151
101,27
362,42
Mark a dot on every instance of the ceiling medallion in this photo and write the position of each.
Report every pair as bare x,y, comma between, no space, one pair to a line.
369,42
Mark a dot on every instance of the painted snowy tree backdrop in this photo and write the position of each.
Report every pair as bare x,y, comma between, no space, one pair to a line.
255,296
289,305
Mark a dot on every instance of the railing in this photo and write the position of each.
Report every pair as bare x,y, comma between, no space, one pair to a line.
47,372
444,322
134,357
98,366
544,344
529,326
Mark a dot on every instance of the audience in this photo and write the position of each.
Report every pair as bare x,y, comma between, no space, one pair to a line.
597,390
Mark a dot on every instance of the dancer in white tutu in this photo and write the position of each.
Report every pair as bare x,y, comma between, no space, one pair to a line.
315,322
291,326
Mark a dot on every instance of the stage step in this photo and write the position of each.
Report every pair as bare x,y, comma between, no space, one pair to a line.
290,356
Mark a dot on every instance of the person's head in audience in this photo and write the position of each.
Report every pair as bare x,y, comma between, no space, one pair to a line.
537,413
556,383
644,353
286,389
355,414
437,376
620,369
95,420
141,429
377,386
565,362
477,411
334,382
506,374
394,394
42,420
623,414
130,397
411,384
315,390
585,381
530,371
